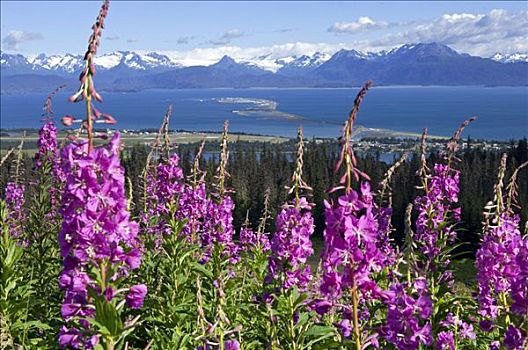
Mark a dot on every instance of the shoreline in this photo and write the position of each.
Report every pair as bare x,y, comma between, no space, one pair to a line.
257,88
361,133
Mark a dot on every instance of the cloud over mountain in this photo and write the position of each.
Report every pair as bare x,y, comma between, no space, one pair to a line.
226,38
182,40
478,34
15,38
362,24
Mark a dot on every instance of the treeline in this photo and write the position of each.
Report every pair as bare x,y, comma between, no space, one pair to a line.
256,168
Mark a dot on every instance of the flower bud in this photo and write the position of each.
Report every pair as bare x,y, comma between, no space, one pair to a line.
109,119
96,95
78,96
68,120
136,296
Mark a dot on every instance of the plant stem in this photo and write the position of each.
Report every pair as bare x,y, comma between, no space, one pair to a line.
103,277
292,325
110,345
89,113
355,301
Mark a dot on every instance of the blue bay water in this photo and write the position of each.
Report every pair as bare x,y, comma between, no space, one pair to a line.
502,111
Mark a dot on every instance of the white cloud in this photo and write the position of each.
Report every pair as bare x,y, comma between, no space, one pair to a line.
226,38
15,38
265,55
184,39
362,23
477,34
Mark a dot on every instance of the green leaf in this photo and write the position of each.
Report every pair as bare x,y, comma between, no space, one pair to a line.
203,270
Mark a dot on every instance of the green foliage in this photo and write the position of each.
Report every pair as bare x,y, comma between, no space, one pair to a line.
16,293
170,272
42,254
296,326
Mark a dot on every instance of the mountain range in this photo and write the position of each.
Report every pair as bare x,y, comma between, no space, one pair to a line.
411,64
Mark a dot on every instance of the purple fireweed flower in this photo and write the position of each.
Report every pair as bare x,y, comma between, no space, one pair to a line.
192,207
14,197
47,146
519,285
96,230
72,337
109,293
495,345
466,331
352,246
515,338
249,240
219,222
48,154
486,325
247,237
501,267
322,306
446,341
232,345
218,228
407,325
16,216
291,245
436,215
502,273
169,177
136,295
345,327
164,187
384,215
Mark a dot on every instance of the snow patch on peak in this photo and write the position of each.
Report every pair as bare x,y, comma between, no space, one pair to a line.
510,58
67,63
273,63
108,61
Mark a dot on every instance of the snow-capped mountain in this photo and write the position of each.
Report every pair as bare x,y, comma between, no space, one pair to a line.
153,61
511,58
16,64
134,60
72,64
415,64
146,61
354,55
311,61
421,50
275,64
229,65
295,64
419,64
67,63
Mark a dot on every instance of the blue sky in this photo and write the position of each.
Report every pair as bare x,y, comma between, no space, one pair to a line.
214,28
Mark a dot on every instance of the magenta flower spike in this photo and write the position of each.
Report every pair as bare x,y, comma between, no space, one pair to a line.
502,268
291,245
16,216
98,240
353,236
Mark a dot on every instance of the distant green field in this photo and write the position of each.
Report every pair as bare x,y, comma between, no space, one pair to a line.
30,140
